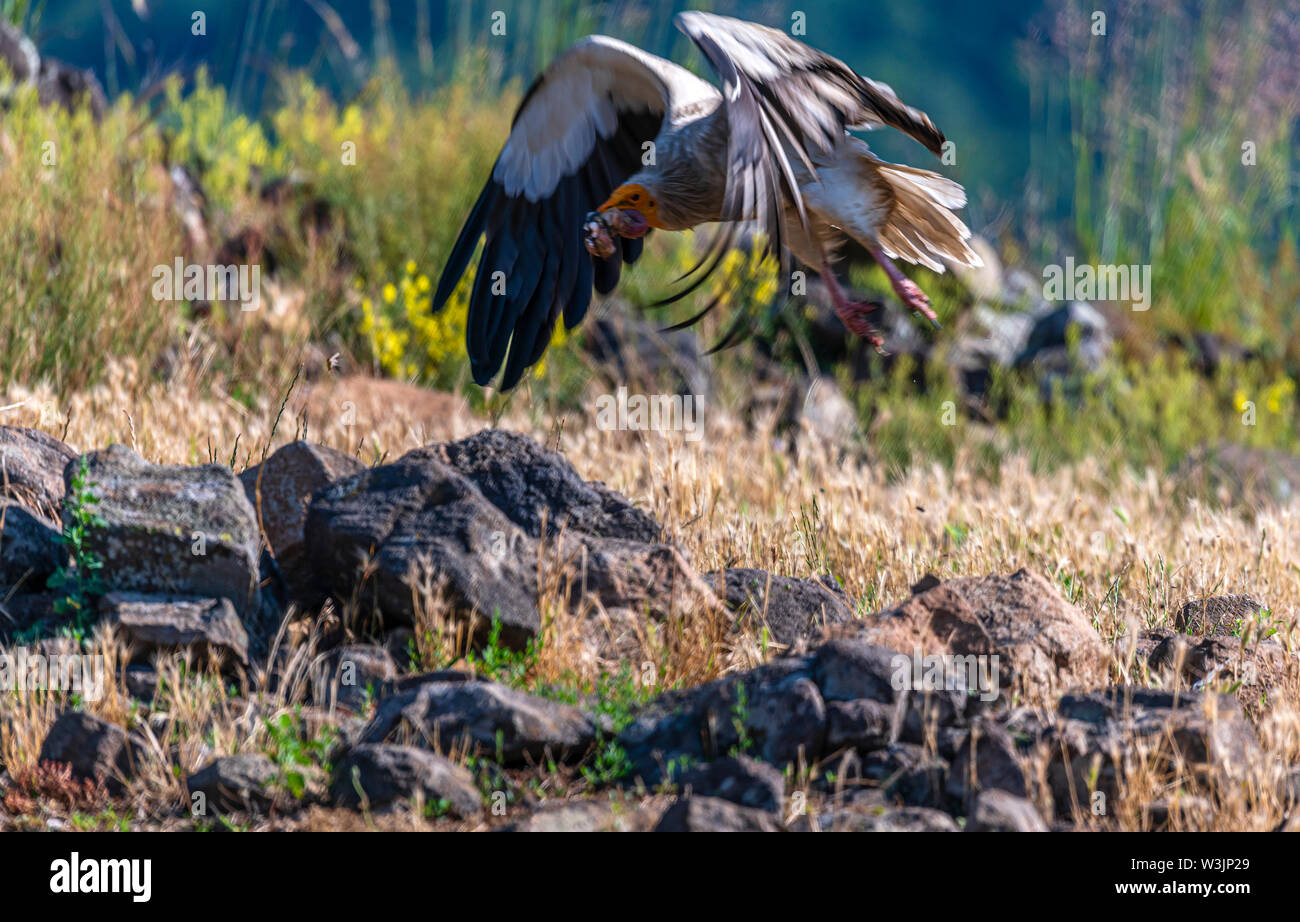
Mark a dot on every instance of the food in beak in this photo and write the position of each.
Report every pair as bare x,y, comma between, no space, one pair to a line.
597,236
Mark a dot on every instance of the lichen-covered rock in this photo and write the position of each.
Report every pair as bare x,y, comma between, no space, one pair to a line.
30,548
94,748
172,530
791,609
233,783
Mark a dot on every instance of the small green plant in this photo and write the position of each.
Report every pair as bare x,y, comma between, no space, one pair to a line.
740,722
296,754
79,581
500,663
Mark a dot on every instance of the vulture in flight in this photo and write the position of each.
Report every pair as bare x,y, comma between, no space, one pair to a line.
610,142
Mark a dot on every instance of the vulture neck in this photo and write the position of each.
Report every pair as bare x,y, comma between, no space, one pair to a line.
689,176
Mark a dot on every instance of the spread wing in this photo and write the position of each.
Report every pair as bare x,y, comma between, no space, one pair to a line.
782,95
576,137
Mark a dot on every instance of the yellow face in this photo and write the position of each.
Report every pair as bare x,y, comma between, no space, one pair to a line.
635,198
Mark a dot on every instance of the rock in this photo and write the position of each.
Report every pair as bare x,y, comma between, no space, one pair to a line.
141,683
379,776
496,721
70,88
426,525
711,814
1097,736
886,819
792,609
629,352
907,774
94,748
776,707
999,811
173,530
232,784
30,549
986,760
1042,642
279,490
1222,660
529,484
354,674
1054,329
863,725
31,468
149,622
738,779
588,816
1219,616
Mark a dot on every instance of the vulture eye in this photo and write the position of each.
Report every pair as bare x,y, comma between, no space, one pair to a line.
636,198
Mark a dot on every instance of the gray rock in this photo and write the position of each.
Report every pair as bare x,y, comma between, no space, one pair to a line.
529,484
711,814
31,469
424,522
588,816
231,784
776,707
886,819
421,522
30,548
354,673
738,779
792,609
1096,736
863,725
172,530
279,490
94,748
1219,616
150,622
986,759
999,811
496,721
379,776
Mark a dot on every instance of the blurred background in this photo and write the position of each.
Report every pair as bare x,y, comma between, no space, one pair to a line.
1167,139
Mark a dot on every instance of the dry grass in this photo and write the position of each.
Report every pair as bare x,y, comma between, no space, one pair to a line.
1122,549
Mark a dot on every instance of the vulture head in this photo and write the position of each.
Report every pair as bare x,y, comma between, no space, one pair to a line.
630,212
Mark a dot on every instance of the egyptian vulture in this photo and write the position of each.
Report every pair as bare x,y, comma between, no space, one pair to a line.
610,142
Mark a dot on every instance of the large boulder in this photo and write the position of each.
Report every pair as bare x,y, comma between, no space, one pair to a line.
279,490
464,522
173,530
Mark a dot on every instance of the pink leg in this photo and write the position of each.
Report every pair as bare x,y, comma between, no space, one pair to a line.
908,291
853,314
